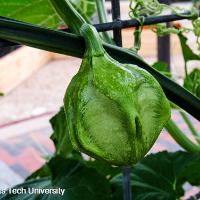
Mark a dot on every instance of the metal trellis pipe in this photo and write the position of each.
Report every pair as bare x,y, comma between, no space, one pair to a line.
120,24
117,33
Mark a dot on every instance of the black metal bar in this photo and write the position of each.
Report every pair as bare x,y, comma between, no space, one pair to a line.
117,33
164,44
123,24
120,24
164,50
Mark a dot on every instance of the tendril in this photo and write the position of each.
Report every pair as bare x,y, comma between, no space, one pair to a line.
139,9
196,29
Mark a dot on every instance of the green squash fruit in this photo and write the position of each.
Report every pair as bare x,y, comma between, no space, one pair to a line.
114,111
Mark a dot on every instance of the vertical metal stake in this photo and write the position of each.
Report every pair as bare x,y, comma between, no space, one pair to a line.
164,44
117,34
127,183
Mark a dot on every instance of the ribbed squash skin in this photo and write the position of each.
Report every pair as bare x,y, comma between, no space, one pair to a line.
114,111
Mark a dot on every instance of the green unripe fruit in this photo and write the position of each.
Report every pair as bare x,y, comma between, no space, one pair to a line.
114,111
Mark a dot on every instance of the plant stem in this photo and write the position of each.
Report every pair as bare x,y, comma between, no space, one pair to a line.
190,126
127,183
103,19
69,14
185,67
181,139
137,34
101,11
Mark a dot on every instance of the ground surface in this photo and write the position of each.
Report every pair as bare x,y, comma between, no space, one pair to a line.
42,93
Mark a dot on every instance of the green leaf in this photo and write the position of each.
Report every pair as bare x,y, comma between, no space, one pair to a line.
61,138
63,146
43,172
104,168
188,54
192,82
162,175
33,11
78,181
60,135
85,7
162,67
41,12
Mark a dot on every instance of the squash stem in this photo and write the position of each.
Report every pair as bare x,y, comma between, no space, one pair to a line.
190,126
103,19
181,139
69,15
94,46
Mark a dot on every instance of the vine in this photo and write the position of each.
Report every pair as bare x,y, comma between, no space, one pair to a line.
196,26
145,8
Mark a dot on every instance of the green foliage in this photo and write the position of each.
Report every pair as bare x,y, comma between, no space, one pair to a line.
196,26
162,67
162,30
140,8
158,176
192,82
103,168
33,11
62,143
60,135
85,7
162,175
188,54
41,12
78,181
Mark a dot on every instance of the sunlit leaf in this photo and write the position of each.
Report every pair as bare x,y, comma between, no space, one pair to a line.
41,12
